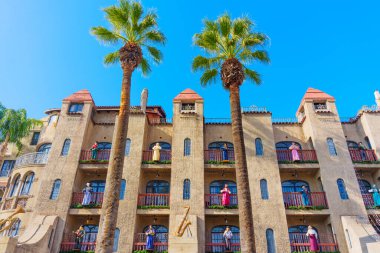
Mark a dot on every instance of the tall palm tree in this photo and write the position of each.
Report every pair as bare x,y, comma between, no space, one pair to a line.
14,126
230,49
136,34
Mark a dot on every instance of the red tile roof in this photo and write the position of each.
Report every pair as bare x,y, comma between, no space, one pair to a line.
80,96
188,95
314,94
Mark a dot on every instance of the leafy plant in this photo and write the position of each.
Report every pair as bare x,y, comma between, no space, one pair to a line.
154,207
222,207
91,205
318,208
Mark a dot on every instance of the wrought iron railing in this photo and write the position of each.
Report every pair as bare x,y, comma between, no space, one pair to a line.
96,200
368,200
300,242
215,242
284,156
160,242
165,156
102,155
32,159
217,121
363,155
212,200
216,155
159,121
153,200
312,199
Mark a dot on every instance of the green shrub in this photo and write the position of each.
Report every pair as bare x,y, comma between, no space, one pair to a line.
222,207
317,208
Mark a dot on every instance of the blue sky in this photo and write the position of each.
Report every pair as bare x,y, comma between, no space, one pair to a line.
47,53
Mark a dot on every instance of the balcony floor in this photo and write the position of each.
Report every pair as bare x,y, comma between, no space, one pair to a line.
323,212
85,211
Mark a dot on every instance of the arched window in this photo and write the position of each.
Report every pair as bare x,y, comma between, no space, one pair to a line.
15,186
127,147
104,145
13,231
55,190
217,237
187,147
122,189
44,148
219,144
157,186
66,147
186,189
299,229
161,232
331,147
366,139
217,186
163,145
98,185
342,189
116,240
27,184
91,232
352,145
364,185
271,246
285,145
264,189
53,119
259,147
294,185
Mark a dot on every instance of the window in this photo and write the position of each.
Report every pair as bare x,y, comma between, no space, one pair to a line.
91,232
294,185
13,231
366,139
364,185
104,145
127,147
219,144
75,108
15,185
27,184
44,148
331,147
157,186
188,107
342,189
352,145
163,145
98,186
122,189
116,240
186,189
7,167
285,145
187,147
264,189
259,147
35,138
66,147
53,119
217,238
161,232
320,106
218,185
271,246
55,190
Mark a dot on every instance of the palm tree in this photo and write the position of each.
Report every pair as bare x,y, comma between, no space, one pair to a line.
14,126
231,47
135,33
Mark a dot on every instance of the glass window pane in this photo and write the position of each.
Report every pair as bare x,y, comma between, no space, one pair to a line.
7,167
264,189
271,246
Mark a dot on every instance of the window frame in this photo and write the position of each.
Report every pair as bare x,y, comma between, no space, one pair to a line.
264,189
259,147
66,147
342,189
34,141
128,143
54,194
331,147
78,108
186,194
27,184
271,241
187,147
10,165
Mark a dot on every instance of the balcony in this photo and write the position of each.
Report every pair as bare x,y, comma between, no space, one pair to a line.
215,156
160,242
217,243
300,242
101,156
368,201
306,156
165,157
363,156
95,202
314,201
37,158
214,201
68,244
153,201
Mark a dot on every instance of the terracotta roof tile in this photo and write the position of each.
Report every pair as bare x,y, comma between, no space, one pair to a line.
188,95
80,96
314,94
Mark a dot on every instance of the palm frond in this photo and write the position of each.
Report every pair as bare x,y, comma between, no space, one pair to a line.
252,75
112,58
116,16
155,36
255,39
241,26
149,21
209,76
210,26
247,56
204,63
104,35
145,66
136,12
155,54
225,24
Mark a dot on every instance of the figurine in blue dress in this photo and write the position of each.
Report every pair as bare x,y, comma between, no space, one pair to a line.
150,233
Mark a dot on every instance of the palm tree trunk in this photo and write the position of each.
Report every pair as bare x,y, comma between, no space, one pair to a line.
247,239
3,149
115,171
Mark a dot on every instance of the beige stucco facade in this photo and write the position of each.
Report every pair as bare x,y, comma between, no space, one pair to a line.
191,173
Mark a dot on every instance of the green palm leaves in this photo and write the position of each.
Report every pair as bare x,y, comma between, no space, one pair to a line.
129,25
225,39
15,125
